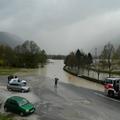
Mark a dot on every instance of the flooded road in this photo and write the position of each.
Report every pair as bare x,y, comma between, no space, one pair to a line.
73,99
55,69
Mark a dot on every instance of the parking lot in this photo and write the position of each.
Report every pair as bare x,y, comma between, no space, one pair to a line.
4,94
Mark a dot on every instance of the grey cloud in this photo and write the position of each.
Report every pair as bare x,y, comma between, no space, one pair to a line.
65,24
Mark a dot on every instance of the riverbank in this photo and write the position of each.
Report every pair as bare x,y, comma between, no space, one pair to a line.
82,76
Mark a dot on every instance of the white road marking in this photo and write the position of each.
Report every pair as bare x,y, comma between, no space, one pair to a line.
101,95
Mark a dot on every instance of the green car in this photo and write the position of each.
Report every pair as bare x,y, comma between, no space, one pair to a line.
19,105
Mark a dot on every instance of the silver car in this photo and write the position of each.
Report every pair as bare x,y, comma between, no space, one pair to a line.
18,87
17,80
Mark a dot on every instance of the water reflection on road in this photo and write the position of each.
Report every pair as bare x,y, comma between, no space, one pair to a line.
55,69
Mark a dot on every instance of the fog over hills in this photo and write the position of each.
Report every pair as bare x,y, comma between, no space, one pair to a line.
10,39
60,26
13,40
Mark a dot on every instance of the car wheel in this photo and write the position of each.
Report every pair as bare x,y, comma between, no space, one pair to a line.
21,114
110,93
23,91
9,89
5,108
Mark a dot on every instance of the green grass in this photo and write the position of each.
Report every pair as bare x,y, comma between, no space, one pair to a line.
5,117
10,71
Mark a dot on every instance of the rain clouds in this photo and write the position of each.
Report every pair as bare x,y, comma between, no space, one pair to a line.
60,26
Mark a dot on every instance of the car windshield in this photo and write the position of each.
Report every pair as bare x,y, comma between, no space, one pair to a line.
108,81
23,102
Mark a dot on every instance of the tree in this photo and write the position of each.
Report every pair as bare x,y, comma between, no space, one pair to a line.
42,57
70,60
116,54
6,56
78,58
107,55
89,61
26,55
29,54
116,57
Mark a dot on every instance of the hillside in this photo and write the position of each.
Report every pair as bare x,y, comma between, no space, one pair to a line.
9,39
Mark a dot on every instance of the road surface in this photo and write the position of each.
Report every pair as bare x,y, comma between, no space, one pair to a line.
70,102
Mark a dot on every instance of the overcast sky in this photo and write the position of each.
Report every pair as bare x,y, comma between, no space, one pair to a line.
60,26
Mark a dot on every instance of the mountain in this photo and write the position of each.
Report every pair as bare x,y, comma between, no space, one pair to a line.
10,39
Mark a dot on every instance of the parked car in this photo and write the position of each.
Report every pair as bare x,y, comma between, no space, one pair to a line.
18,87
17,80
112,87
19,105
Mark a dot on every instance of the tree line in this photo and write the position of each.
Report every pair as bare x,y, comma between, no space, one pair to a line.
109,58
78,59
107,61
56,57
27,55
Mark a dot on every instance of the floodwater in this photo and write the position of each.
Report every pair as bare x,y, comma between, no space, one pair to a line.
55,69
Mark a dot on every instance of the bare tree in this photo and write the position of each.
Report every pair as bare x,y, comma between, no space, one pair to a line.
89,61
107,55
78,58
117,53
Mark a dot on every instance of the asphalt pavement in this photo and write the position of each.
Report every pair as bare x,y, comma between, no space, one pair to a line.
70,102
66,102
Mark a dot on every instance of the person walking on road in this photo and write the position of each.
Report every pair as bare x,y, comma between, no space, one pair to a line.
56,82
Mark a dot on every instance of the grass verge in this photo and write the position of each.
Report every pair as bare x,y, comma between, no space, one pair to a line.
5,117
10,71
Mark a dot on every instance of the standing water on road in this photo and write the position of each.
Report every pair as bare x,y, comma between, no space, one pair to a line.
55,69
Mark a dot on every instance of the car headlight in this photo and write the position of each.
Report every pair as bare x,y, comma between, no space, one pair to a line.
27,110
